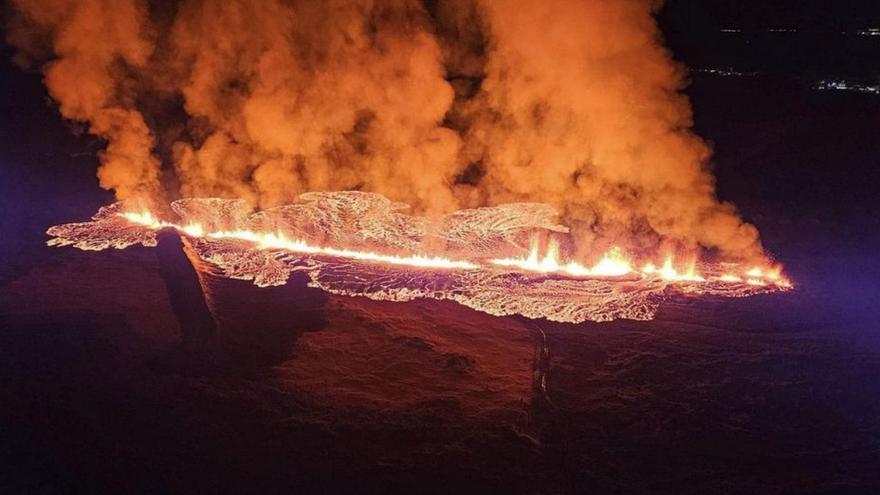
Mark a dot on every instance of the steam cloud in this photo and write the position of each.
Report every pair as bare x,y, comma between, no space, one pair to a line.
441,104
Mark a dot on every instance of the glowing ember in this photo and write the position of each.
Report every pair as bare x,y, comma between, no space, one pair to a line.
395,263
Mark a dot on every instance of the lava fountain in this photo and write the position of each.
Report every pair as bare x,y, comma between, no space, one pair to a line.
361,244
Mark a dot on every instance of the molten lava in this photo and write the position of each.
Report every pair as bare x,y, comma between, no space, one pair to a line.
268,240
398,257
612,264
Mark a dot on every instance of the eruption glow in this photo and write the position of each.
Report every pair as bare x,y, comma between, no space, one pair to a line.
558,110
612,264
264,240
576,104
397,258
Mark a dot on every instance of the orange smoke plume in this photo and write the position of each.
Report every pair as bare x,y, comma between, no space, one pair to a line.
580,107
441,105
93,43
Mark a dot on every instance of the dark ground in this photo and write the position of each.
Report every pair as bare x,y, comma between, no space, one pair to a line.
771,394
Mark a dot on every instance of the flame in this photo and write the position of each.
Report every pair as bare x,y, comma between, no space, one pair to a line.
193,230
279,241
614,263
147,219
761,277
668,272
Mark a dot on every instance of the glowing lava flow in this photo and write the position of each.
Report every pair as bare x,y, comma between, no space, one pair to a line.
279,241
541,283
612,264
668,272
615,264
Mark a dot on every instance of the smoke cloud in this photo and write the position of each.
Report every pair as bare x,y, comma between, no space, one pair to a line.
441,104
94,45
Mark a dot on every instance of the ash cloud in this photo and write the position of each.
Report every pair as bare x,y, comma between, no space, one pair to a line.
439,104
92,49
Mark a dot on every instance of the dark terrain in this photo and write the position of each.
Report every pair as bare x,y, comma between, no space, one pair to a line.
771,394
